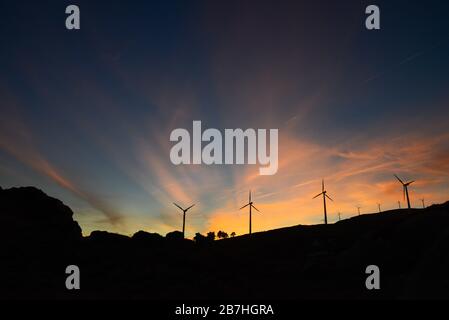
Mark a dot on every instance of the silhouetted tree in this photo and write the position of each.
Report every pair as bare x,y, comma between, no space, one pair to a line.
146,236
211,236
233,234
222,235
175,235
199,238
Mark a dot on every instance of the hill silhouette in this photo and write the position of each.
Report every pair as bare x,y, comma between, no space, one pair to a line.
39,239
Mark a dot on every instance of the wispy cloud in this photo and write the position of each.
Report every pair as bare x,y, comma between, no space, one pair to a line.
17,140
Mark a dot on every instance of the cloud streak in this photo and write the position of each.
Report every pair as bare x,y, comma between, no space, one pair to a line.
18,141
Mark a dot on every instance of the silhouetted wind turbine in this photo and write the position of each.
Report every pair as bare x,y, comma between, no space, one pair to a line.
183,218
405,188
423,205
399,204
324,193
358,209
339,216
250,204
378,206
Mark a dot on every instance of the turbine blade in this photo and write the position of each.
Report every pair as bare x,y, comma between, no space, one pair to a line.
322,185
249,196
410,182
244,206
178,206
190,207
319,194
399,179
255,208
329,197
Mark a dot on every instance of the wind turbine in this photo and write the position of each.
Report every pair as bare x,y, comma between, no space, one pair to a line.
405,188
184,217
358,209
378,206
339,216
324,193
399,204
250,204
423,205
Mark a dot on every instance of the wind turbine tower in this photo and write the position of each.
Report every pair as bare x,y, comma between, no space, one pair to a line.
324,193
250,204
183,217
405,189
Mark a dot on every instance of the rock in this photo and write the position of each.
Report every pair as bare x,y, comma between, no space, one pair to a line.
30,218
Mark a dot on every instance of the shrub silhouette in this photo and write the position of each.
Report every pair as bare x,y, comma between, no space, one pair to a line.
211,235
145,239
199,238
222,235
174,235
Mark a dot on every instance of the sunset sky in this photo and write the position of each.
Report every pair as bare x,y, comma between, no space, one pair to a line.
86,115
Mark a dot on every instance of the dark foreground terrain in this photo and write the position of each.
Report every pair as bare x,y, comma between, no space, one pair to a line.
39,239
